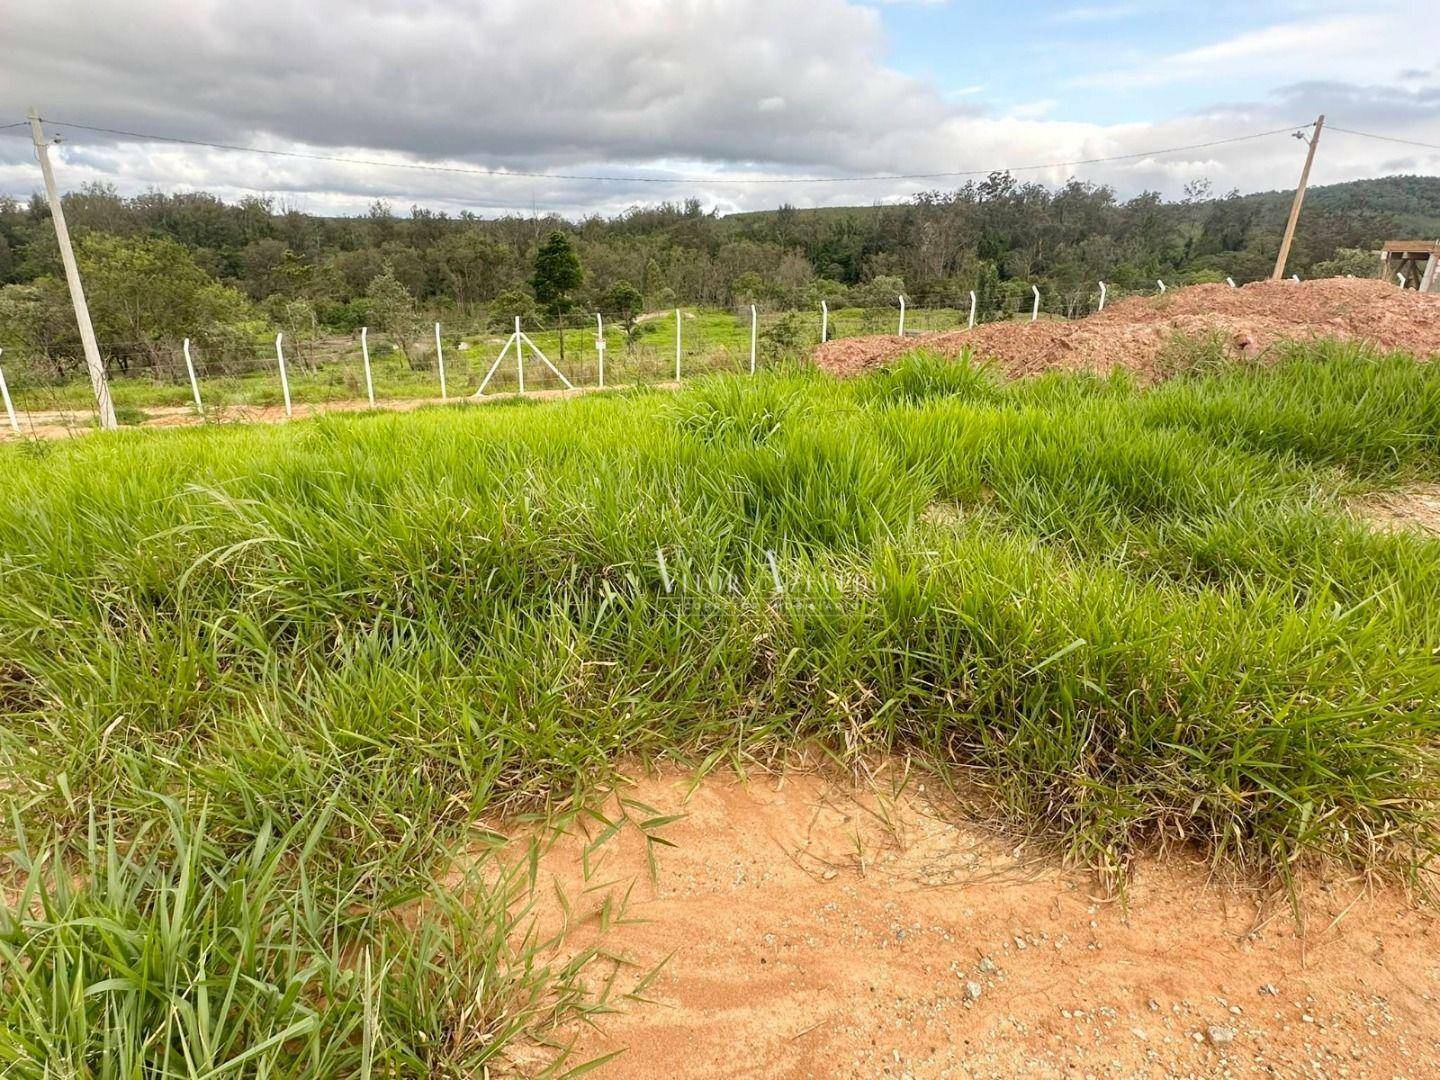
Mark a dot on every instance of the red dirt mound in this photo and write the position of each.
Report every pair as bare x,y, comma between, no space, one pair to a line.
1134,333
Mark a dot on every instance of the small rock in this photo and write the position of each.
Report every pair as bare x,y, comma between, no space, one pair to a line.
987,965
1220,1036
972,990
1270,989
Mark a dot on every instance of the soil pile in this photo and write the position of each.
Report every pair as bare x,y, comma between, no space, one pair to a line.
1136,333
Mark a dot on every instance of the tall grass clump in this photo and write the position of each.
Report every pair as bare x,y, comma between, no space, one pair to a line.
260,684
165,955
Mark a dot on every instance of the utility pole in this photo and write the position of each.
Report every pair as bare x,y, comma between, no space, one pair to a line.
72,278
1284,255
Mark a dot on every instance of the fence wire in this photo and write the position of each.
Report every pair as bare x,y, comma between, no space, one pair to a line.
149,379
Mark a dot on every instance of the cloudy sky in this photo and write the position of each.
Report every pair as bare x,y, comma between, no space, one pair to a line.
741,103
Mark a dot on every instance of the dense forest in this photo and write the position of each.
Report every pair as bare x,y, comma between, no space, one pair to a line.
161,266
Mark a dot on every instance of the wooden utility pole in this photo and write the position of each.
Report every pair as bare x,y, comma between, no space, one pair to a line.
1284,255
72,278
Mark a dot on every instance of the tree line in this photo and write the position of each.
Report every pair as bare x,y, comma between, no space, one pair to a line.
160,266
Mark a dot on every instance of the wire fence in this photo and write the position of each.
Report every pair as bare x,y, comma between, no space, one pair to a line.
150,380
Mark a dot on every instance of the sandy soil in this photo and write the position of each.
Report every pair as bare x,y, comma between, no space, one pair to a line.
1418,508
814,931
1136,333
58,424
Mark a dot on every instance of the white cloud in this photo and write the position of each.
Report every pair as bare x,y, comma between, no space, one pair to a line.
1095,13
759,89
1340,46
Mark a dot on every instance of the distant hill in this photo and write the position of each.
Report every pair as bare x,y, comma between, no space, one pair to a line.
1412,201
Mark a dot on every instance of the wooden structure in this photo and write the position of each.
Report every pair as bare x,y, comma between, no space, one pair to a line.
1416,261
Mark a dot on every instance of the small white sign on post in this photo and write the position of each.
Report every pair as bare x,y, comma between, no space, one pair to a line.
677,344
902,316
440,359
190,370
284,379
600,348
824,322
1035,308
1103,291
9,405
972,310
754,319
365,355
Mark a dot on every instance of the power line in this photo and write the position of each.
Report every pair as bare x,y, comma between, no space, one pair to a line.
503,173
1385,138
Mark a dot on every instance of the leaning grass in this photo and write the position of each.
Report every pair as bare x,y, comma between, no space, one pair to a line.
1130,615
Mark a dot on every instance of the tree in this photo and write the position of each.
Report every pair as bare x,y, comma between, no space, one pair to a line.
510,305
1352,262
297,320
39,317
147,293
879,292
470,264
623,301
557,275
393,309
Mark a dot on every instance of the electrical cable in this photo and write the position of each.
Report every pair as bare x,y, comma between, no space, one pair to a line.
1382,138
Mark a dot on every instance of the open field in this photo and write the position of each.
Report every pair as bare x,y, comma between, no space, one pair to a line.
280,701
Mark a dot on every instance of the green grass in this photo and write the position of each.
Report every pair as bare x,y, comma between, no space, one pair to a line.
260,682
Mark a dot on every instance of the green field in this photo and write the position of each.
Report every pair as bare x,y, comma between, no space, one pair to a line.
261,682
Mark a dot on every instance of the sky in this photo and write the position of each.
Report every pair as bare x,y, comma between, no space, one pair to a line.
743,104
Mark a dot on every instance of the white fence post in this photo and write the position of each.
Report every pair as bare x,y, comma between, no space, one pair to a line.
677,344
1035,308
753,323
1161,284
1103,291
824,322
190,370
519,357
972,310
284,379
902,315
9,405
440,359
365,355
600,348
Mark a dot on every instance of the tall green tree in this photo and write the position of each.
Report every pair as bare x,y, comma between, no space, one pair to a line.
557,275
